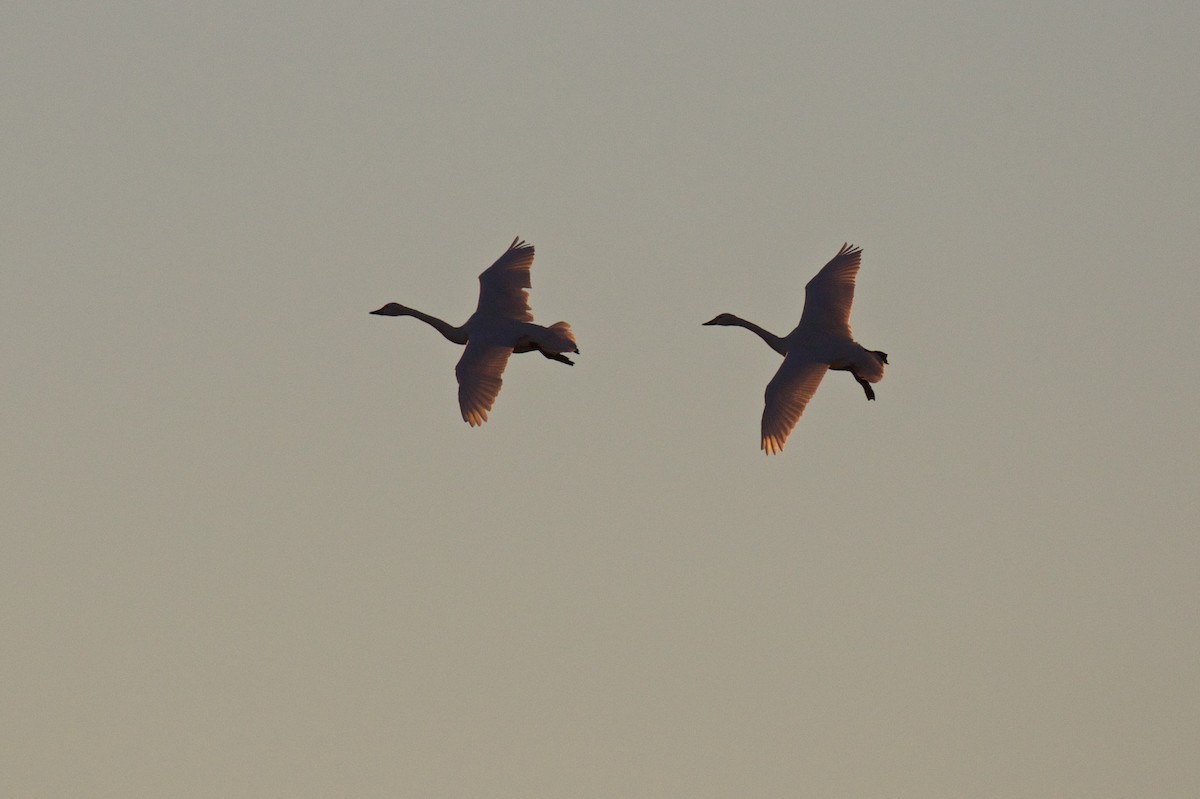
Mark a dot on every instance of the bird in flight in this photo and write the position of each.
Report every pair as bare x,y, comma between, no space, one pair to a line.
501,325
821,341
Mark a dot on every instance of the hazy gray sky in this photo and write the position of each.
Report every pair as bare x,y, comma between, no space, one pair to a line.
250,549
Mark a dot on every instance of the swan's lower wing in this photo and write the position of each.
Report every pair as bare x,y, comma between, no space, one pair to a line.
479,370
787,394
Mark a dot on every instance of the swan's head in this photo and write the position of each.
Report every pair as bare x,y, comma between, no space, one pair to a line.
726,319
392,309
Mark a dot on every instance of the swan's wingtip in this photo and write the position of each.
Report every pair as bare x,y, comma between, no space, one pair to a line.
771,445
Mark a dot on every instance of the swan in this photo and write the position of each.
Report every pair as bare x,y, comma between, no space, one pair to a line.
501,325
821,341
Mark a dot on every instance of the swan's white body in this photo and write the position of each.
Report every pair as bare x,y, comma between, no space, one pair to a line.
501,325
822,341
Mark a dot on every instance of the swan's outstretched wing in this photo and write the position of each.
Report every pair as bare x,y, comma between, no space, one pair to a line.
829,295
788,392
479,370
502,286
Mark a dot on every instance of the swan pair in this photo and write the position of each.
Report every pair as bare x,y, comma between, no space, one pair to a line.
503,324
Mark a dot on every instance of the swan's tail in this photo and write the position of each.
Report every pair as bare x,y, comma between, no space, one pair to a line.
870,366
559,338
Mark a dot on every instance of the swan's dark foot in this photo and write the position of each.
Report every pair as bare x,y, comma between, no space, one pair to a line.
882,355
554,356
866,386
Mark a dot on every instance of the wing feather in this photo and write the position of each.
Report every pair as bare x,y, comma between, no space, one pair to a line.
479,373
503,285
829,295
786,397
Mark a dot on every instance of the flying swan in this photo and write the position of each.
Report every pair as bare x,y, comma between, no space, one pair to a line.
501,325
820,342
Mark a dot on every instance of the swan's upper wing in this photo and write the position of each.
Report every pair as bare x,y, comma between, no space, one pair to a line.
788,392
479,370
502,286
829,295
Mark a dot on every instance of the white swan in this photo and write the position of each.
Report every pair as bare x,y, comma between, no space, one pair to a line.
501,325
820,342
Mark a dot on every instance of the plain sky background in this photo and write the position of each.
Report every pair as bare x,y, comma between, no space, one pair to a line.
250,549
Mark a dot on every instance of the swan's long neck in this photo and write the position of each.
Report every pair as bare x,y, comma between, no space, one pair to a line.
773,341
456,334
